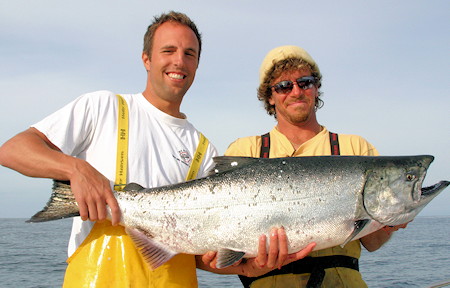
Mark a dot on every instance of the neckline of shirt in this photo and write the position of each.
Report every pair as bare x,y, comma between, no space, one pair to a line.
169,119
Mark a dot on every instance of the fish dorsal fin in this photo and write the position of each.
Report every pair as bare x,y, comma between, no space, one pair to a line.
359,226
229,163
227,257
154,253
133,187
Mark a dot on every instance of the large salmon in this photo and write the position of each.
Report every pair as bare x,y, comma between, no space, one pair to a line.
329,200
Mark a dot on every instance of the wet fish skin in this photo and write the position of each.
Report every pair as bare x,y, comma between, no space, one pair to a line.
329,200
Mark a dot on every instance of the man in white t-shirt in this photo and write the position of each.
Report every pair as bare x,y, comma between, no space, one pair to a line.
79,143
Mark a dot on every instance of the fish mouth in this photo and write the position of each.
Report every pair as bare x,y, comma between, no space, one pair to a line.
436,188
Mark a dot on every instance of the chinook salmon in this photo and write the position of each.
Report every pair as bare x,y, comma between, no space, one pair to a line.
329,200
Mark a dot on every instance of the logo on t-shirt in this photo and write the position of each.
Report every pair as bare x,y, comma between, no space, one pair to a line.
184,157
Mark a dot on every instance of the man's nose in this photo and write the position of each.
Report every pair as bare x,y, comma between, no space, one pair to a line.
296,90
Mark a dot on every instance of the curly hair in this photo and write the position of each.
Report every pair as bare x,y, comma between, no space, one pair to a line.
172,16
290,64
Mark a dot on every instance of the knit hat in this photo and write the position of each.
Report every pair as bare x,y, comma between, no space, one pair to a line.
282,53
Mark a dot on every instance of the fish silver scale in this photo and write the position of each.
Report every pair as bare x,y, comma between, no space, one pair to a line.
287,199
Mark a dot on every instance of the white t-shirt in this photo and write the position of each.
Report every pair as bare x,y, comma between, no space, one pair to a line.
160,147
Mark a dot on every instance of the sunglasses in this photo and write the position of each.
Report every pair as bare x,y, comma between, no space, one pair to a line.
286,86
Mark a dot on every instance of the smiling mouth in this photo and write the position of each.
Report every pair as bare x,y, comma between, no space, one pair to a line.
296,103
176,76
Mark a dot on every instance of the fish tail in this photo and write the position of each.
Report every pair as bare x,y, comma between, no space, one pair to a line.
61,204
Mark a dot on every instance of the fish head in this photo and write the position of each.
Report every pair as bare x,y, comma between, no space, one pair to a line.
393,192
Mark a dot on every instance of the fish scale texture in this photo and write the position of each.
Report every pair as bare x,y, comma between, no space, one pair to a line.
315,200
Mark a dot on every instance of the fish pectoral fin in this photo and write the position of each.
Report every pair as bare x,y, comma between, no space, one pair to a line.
227,257
154,253
359,226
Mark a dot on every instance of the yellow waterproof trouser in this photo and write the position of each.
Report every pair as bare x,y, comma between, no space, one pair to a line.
109,258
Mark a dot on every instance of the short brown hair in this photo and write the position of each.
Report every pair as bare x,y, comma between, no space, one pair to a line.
172,16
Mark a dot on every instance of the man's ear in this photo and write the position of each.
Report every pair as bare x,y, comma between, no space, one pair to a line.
146,61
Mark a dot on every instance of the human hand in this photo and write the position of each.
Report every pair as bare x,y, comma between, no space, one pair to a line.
265,261
93,192
277,256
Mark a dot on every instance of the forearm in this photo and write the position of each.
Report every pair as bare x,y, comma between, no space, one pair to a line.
32,154
375,240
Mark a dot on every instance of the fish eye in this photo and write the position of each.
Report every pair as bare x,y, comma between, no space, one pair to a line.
410,177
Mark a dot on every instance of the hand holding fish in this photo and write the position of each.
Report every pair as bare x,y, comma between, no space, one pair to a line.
266,261
92,192
278,256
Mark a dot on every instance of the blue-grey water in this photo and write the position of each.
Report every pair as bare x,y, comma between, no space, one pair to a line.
33,255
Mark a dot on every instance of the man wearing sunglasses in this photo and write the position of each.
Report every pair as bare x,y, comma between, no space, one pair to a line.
289,88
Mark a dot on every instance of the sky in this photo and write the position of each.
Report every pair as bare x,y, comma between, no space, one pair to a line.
385,67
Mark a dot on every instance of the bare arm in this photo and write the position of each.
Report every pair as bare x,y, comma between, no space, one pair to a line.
32,154
375,240
266,261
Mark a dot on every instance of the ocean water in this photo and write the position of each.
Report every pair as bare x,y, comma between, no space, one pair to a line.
33,255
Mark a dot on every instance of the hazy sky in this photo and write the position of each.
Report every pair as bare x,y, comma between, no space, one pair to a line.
385,67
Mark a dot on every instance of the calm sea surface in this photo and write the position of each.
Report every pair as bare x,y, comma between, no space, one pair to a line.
33,255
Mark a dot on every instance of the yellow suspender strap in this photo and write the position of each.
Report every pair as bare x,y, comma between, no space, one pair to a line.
122,145
198,158
122,149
